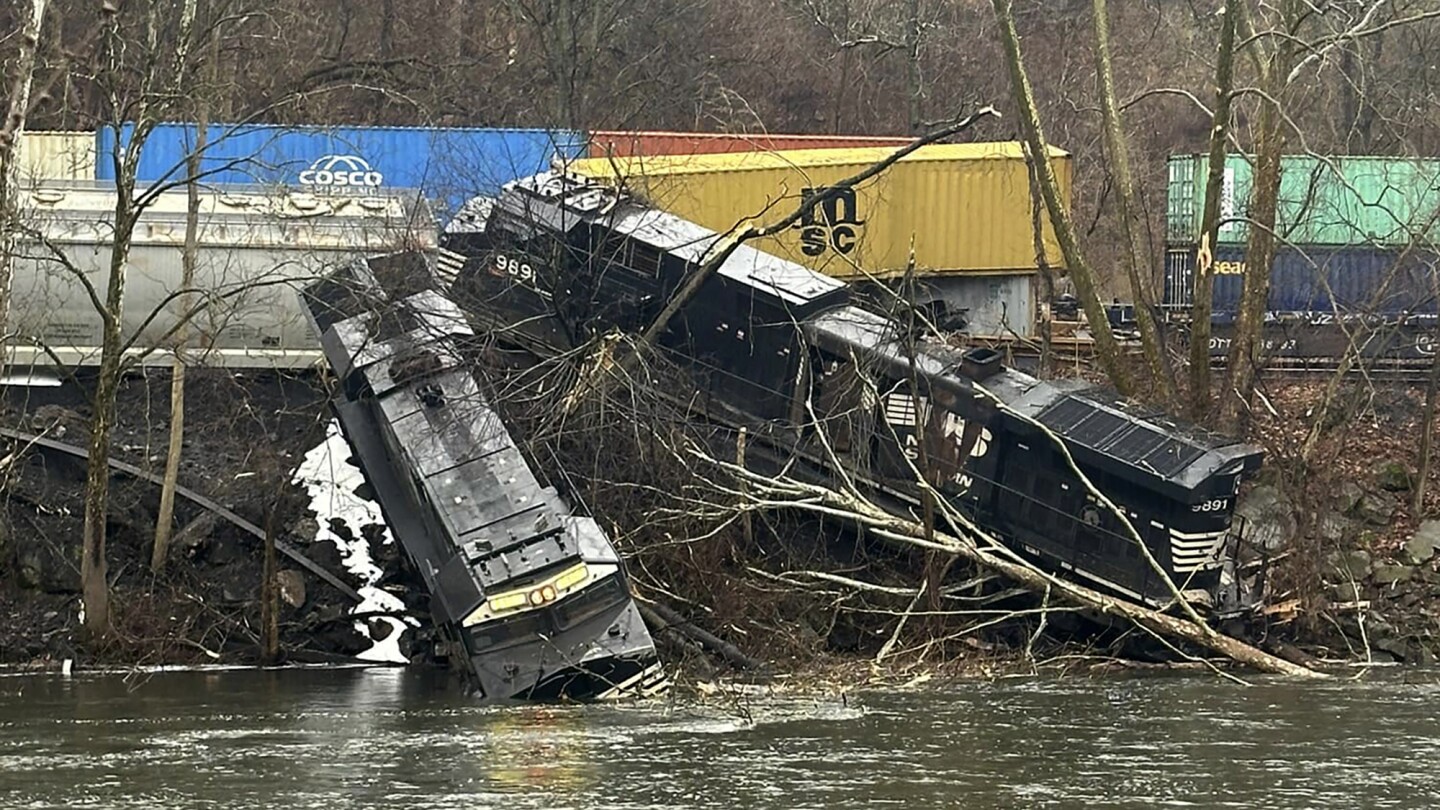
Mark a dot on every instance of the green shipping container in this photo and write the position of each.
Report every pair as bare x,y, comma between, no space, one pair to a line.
1377,201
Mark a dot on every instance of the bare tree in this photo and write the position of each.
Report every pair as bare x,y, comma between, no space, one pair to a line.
165,518
1204,290
1107,350
1128,209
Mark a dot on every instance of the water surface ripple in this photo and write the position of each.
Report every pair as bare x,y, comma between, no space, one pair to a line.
395,738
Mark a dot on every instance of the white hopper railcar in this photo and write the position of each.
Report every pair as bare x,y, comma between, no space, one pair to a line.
256,247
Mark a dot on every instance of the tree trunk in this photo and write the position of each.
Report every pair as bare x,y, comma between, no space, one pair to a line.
1138,260
1107,351
11,132
165,520
913,78
94,576
1246,355
1201,305
1045,323
1427,433
269,596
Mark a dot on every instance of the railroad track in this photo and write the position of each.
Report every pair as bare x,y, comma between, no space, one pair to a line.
48,445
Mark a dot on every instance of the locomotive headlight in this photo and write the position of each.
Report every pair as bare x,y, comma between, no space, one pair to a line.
532,597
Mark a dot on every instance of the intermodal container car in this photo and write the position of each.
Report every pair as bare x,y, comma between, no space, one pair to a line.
959,207
56,156
623,143
1323,201
255,246
448,165
1316,283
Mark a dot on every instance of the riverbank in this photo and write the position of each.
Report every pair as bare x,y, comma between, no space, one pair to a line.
1353,573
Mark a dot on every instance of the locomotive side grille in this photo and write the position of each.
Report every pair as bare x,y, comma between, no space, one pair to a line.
1190,552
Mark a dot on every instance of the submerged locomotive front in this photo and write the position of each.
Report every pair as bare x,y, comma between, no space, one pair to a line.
533,598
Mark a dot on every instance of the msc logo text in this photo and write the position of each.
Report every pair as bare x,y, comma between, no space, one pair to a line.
341,170
832,224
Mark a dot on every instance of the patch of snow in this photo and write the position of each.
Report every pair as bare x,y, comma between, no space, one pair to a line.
331,481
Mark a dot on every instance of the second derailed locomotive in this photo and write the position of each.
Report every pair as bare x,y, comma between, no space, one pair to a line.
786,353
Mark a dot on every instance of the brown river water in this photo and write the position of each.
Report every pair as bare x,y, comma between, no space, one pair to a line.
395,738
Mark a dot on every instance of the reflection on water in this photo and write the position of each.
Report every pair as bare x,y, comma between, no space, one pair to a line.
383,738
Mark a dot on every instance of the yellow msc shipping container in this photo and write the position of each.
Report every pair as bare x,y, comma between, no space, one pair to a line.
57,156
965,207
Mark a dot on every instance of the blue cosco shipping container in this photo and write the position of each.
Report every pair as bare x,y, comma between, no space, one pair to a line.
448,165
1316,282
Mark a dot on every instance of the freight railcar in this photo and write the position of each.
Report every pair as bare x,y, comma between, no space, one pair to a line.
255,247
1354,262
779,349
446,164
533,598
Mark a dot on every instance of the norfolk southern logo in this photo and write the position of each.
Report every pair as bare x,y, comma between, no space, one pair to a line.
834,224
341,170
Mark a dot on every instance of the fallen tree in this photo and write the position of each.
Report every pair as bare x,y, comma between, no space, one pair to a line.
963,538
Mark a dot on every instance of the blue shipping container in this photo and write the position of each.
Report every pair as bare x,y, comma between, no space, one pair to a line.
448,165
1316,282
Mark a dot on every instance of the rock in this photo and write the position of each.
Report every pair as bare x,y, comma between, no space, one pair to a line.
1392,476
1348,497
1376,509
1391,573
340,638
1421,655
194,537
40,566
292,587
380,629
1332,528
1353,563
1396,647
1424,544
1270,515
56,417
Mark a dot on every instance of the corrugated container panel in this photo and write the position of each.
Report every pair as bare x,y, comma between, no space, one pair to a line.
256,247
448,165
1323,201
623,143
1319,281
965,208
57,156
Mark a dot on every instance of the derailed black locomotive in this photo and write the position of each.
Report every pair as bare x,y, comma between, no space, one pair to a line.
533,599
781,350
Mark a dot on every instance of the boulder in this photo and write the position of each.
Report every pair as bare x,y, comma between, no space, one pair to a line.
380,629
292,587
1376,509
1420,548
1333,529
1392,476
1398,648
1391,573
1270,517
1347,564
1348,497
43,566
